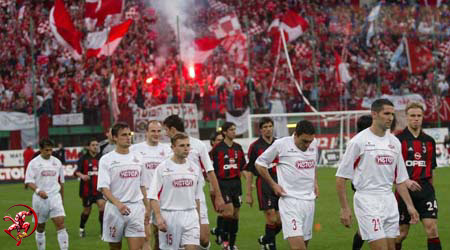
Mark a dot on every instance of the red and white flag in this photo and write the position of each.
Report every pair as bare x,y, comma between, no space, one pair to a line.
291,23
64,31
236,46
420,58
444,48
90,18
302,50
342,73
109,12
226,26
196,53
104,43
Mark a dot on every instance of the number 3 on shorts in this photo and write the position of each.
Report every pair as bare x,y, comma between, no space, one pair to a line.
294,224
432,205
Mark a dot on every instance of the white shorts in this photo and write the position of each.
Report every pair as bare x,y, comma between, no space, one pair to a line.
116,225
48,208
297,217
183,228
203,210
377,215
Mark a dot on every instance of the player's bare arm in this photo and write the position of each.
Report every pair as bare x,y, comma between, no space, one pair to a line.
346,213
146,204
402,190
161,223
39,192
316,185
277,189
123,209
219,202
248,183
197,203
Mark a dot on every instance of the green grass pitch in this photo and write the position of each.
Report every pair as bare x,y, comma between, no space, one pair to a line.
251,225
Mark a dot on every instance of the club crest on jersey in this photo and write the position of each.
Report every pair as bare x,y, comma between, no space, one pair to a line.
384,159
417,156
190,169
129,173
135,160
305,164
391,146
184,182
48,173
369,144
162,153
54,164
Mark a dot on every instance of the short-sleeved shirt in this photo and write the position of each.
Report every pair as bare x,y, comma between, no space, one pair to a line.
122,175
88,165
199,155
176,186
45,174
296,169
256,149
419,154
373,163
228,161
152,157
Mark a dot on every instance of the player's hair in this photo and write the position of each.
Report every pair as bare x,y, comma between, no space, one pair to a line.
414,105
147,124
393,124
46,142
174,121
378,104
178,136
304,127
226,126
88,142
265,120
213,137
363,122
118,126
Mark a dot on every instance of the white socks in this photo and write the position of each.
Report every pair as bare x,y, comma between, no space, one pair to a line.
40,240
63,239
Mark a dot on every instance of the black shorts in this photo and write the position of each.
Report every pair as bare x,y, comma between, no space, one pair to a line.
424,202
89,200
266,197
231,191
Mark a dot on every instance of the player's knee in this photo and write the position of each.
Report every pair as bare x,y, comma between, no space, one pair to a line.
41,228
431,230
204,241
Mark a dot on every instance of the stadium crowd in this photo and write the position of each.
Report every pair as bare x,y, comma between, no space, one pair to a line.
146,62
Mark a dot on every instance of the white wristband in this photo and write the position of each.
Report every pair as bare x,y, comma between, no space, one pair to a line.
37,190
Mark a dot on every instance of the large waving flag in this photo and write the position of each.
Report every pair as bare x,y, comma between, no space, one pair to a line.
293,26
420,58
371,18
342,73
104,43
226,26
196,53
109,12
64,31
90,18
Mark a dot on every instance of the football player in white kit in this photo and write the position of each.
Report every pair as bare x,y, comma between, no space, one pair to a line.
297,181
153,153
199,155
121,181
177,185
45,176
373,161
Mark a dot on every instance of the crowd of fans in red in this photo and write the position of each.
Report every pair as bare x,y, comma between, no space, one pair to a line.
146,63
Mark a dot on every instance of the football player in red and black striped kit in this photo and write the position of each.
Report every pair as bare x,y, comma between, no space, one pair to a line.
228,161
419,153
267,200
87,171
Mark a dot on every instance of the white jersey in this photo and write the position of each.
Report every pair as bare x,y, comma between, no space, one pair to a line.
176,186
296,170
45,174
152,157
200,156
373,163
122,175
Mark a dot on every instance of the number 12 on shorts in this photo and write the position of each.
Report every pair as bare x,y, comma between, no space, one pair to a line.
376,224
169,239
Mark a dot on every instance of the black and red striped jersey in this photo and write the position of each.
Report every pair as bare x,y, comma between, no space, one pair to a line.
88,165
419,154
255,150
228,161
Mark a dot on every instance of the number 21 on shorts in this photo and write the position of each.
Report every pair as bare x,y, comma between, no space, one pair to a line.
376,224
